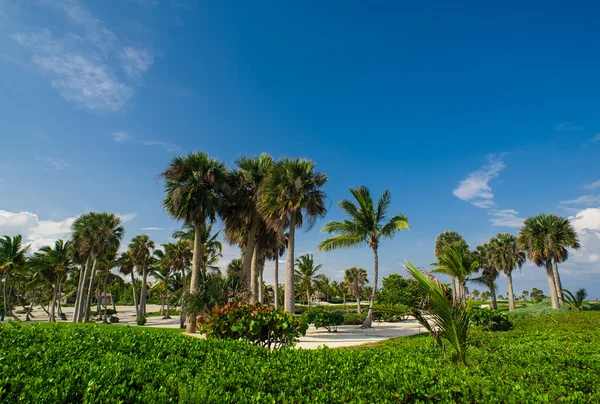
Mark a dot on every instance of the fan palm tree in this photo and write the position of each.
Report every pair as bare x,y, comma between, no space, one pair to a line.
235,268
489,273
292,194
457,262
126,265
506,256
546,238
442,241
12,259
94,234
140,249
355,279
306,274
368,225
195,186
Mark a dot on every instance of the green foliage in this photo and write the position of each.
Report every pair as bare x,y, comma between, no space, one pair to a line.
542,308
257,324
140,320
352,318
540,361
575,301
109,312
114,319
491,320
322,318
399,290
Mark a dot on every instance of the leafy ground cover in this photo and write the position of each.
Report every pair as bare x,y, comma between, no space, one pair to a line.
543,359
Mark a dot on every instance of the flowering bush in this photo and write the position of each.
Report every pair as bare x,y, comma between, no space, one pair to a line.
257,324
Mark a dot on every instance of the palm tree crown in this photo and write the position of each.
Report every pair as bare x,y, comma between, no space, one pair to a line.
306,273
355,279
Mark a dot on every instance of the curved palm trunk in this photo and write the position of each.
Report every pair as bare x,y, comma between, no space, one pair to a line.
557,282
493,293
276,281
369,320
185,289
85,315
511,295
53,310
80,287
253,277
552,285
308,297
290,302
196,268
143,295
249,254
135,299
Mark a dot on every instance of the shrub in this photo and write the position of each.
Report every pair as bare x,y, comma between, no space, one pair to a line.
257,324
114,319
351,318
491,320
140,320
322,318
390,312
542,308
109,312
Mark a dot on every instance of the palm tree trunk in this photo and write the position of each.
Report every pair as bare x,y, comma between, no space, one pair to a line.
143,296
369,320
135,299
358,303
85,315
511,295
105,321
249,254
196,265
308,298
261,290
493,293
253,277
552,284
79,296
344,297
276,282
53,311
5,296
559,290
185,288
290,302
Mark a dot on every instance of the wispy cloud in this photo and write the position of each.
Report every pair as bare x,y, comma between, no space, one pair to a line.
505,218
147,3
592,185
567,127
54,163
127,217
588,200
595,138
123,136
151,228
120,136
82,64
476,187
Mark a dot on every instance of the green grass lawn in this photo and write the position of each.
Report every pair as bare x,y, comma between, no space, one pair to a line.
544,359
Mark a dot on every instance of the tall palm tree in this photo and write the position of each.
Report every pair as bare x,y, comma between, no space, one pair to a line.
162,269
195,186
442,241
292,194
12,258
506,256
355,279
126,265
54,265
489,272
94,234
368,225
323,285
546,238
306,274
277,251
140,249
458,262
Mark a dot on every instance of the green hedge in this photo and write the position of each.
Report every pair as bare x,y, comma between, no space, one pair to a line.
544,359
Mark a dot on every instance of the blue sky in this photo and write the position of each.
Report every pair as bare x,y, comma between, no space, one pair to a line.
475,116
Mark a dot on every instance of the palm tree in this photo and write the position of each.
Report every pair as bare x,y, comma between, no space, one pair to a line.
367,225
12,258
457,262
306,273
94,234
442,241
292,194
54,265
506,256
126,266
489,273
546,238
323,285
235,268
355,279
162,268
195,186
140,249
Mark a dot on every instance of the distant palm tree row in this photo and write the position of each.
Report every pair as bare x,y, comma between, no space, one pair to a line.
544,239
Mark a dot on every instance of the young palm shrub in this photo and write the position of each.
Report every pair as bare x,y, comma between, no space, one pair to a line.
575,300
446,319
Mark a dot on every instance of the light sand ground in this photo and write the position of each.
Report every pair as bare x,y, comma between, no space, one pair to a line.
347,335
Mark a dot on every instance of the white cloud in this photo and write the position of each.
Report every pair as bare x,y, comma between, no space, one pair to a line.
568,127
587,219
588,200
147,3
595,138
151,228
127,217
475,188
586,261
35,232
505,218
592,185
135,61
120,136
56,164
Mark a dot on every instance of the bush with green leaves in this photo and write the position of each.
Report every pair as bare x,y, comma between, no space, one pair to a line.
323,318
491,320
353,318
257,324
114,319
543,308
140,320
